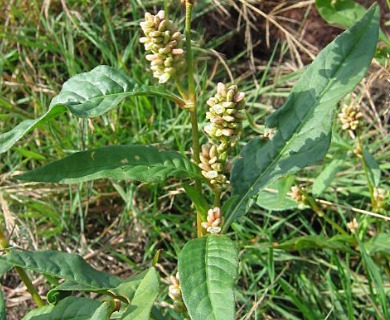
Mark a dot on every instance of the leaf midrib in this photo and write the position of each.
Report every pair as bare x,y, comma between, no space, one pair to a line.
148,91
272,164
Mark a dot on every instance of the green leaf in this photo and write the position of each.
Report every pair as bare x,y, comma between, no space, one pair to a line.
374,171
342,13
71,308
199,201
63,265
337,243
66,288
304,122
105,310
275,197
323,181
3,314
30,154
379,244
375,276
126,290
208,270
33,314
129,286
87,95
144,163
5,267
146,294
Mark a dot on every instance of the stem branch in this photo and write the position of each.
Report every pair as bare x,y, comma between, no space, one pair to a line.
317,209
366,172
22,274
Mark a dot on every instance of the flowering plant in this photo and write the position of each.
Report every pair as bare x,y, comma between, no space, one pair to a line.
207,264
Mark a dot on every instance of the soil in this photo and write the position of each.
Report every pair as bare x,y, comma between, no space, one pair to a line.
309,26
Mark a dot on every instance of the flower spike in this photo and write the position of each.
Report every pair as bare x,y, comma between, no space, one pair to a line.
165,44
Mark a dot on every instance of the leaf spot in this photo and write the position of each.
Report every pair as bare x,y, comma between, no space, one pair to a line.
124,161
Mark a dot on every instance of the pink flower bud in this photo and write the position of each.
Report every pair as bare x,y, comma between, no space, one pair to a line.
177,51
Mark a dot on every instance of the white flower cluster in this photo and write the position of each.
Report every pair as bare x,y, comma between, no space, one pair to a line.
165,43
225,114
212,165
380,196
214,220
353,225
174,292
298,195
349,117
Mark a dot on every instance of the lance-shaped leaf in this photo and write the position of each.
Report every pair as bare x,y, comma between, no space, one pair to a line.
323,181
208,270
70,308
105,310
344,14
341,13
143,163
372,167
378,245
87,95
144,297
63,265
275,197
303,124
36,314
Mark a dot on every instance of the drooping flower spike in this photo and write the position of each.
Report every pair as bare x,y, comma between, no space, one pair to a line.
164,43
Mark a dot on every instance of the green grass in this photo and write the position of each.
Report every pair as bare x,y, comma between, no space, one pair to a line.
123,224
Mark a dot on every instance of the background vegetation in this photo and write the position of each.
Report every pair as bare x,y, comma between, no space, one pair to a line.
119,226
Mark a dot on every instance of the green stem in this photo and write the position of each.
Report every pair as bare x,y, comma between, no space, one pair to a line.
191,106
317,209
366,172
22,274
195,137
30,287
195,156
189,57
217,198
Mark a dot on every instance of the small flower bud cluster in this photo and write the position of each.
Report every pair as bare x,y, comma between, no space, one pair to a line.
225,114
349,117
353,225
297,195
358,151
380,196
164,41
214,220
212,165
174,292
